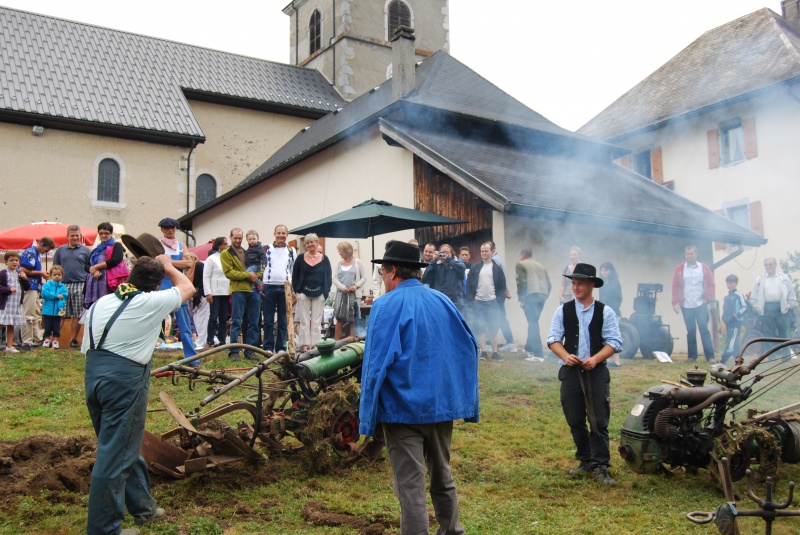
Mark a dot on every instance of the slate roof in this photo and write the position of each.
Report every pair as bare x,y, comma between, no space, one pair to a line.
70,72
750,54
556,186
513,158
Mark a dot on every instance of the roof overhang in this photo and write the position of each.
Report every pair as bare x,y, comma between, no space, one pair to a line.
449,168
100,129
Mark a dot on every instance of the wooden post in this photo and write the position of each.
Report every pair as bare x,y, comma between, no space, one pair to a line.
287,290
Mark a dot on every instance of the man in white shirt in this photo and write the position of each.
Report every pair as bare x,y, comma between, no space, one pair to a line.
774,299
692,288
278,269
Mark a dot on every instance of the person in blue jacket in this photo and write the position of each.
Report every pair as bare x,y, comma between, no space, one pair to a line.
420,373
54,306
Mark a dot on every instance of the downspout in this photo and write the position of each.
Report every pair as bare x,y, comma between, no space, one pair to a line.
189,183
333,43
296,35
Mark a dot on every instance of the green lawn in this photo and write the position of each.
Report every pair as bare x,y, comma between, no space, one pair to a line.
510,469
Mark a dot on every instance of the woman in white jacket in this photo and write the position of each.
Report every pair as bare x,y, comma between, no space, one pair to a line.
217,289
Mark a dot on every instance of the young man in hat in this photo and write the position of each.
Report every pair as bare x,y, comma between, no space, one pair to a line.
174,249
583,334
420,373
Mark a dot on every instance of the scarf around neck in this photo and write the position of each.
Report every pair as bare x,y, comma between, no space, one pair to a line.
126,291
99,253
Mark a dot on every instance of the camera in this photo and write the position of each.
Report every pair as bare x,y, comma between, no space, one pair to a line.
440,255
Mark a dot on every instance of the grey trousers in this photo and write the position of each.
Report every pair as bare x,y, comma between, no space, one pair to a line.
411,448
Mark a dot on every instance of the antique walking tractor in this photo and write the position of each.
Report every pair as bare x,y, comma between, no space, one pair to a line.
692,424
308,403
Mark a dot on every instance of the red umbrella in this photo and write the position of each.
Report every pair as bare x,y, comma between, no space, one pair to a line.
22,237
202,250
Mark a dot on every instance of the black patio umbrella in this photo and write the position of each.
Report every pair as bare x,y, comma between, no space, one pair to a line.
371,218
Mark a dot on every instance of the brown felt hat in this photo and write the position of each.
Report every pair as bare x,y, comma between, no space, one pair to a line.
401,254
143,245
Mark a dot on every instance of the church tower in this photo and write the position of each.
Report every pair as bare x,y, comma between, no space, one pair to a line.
348,41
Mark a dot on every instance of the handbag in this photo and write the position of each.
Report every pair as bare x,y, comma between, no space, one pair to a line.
116,275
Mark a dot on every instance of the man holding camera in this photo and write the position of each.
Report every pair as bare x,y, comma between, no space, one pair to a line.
446,274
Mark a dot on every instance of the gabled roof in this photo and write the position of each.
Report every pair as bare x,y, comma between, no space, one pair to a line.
77,75
748,55
443,84
555,186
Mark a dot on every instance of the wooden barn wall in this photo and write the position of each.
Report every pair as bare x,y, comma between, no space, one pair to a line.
437,193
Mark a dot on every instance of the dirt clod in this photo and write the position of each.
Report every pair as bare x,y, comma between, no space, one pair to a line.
317,513
45,464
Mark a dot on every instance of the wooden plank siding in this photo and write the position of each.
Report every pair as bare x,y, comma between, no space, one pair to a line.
437,193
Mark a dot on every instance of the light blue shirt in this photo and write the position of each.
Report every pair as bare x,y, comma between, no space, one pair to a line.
611,334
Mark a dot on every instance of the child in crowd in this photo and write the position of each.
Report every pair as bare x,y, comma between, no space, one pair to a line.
733,308
254,256
54,295
13,285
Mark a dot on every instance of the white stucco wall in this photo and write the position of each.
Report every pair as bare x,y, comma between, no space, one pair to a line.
773,177
332,181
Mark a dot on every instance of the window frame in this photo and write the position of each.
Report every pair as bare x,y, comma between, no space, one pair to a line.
315,39
388,14
121,201
197,204
726,131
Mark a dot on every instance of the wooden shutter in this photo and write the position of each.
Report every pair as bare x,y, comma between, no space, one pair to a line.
756,218
625,161
655,165
720,246
750,145
713,149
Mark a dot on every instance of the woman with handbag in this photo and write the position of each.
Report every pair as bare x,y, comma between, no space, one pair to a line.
107,269
349,279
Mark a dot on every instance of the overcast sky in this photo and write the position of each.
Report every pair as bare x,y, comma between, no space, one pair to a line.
567,60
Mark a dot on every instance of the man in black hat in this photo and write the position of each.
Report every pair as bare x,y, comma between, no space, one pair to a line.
583,334
420,373
175,250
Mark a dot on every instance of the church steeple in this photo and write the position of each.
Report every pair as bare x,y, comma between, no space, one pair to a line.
349,41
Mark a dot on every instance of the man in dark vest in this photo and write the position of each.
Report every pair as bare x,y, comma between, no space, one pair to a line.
583,334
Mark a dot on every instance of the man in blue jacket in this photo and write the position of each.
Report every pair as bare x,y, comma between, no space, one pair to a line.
420,373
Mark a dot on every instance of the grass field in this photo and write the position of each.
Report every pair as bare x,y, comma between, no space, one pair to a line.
510,469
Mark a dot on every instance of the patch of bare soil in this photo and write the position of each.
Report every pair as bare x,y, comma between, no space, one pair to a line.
317,513
35,464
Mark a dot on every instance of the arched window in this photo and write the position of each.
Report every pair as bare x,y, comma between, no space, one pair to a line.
108,181
399,15
315,32
206,190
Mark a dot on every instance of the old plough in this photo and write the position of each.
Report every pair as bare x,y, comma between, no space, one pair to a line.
303,403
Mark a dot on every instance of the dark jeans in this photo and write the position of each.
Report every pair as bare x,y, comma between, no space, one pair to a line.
591,448
775,325
274,299
116,396
697,319
249,303
411,448
52,326
505,328
532,305
218,320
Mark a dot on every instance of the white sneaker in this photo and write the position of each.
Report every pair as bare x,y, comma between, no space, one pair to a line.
534,359
12,350
508,348
54,345
46,343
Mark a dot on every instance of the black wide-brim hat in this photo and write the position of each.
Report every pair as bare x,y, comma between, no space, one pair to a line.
143,245
587,272
401,254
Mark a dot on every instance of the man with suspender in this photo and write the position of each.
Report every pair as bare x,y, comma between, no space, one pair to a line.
119,339
583,334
